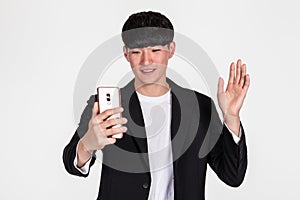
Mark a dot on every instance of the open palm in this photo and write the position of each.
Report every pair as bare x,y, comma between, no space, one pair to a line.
231,100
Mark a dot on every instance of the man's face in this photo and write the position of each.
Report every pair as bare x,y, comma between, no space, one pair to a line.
149,64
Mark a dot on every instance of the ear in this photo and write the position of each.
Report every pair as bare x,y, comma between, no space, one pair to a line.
172,49
125,52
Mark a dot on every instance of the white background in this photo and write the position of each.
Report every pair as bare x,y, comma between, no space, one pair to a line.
43,45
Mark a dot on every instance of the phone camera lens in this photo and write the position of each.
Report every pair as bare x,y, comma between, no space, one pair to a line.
108,99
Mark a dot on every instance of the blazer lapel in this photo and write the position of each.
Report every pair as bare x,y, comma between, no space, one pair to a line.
136,125
135,139
184,126
185,118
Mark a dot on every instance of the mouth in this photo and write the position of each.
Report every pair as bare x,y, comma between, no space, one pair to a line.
147,71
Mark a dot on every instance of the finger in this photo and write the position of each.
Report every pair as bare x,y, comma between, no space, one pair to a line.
220,86
238,71
114,131
118,136
243,75
112,122
111,140
109,112
231,73
247,83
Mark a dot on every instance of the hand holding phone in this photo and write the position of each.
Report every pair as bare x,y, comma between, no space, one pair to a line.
99,133
108,98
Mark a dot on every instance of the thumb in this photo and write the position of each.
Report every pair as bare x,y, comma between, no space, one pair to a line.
95,109
220,85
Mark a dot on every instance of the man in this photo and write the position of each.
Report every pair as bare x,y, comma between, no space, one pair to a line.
172,133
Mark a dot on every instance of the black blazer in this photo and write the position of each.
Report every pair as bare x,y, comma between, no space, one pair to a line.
198,138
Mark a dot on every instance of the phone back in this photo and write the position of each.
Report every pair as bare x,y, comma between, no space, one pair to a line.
109,97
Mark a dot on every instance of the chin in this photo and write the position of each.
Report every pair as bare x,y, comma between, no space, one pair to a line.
150,82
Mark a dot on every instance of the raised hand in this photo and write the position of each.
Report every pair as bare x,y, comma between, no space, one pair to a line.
231,100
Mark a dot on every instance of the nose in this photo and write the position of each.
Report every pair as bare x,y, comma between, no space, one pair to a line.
146,58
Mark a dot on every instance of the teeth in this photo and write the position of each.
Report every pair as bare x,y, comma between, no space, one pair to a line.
147,70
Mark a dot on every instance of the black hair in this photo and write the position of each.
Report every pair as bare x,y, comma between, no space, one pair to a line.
147,29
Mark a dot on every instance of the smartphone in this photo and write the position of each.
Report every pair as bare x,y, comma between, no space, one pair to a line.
110,97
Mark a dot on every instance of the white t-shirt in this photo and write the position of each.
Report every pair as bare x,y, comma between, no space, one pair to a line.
157,117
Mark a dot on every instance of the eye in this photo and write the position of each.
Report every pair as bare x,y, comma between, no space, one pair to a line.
135,52
155,50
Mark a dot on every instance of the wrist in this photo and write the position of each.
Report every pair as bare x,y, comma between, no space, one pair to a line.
83,147
231,117
83,155
233,123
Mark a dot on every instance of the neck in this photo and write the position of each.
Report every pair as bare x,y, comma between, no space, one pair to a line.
153,89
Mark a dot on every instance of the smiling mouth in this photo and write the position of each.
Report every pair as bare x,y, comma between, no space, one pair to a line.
147,71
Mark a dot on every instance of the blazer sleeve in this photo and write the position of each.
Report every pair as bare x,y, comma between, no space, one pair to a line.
69,151
227,159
